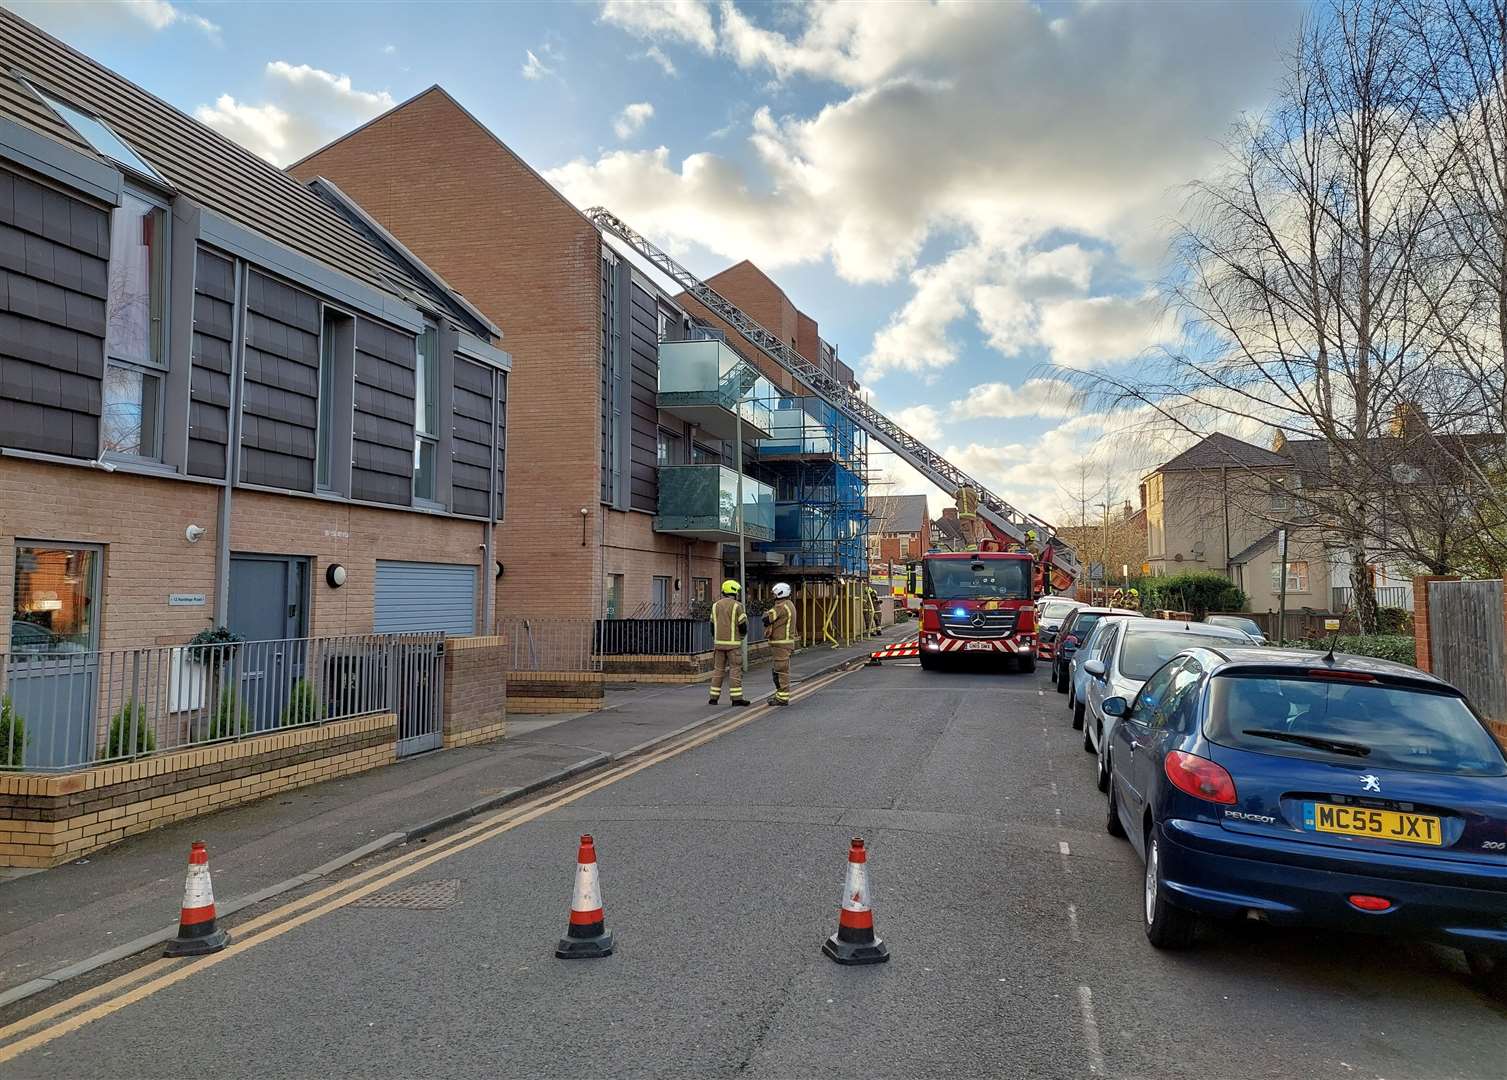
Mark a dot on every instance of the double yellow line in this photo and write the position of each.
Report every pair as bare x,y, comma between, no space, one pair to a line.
110,997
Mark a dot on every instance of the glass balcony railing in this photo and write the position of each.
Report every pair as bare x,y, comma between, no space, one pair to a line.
701,501
708,384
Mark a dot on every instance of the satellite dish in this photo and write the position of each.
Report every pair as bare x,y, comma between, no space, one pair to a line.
1198,549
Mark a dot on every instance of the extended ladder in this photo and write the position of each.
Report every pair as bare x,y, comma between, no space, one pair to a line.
930,464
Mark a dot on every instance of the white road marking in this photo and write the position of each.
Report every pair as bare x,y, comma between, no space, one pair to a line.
1054,789
1057,812
1064,851
1090,1031
1041,693
1062,847
1072,925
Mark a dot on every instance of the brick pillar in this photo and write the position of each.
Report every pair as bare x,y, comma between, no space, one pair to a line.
475,699
1421,655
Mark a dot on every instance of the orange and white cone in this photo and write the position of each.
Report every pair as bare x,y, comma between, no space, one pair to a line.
197,933
855,941
587,936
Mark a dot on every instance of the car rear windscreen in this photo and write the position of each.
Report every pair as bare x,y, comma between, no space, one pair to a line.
1142,653
1375,725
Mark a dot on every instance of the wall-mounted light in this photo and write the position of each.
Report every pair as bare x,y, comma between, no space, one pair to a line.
193,533
584,512
334,575
499,569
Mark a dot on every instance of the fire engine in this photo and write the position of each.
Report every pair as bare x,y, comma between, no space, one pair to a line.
979,603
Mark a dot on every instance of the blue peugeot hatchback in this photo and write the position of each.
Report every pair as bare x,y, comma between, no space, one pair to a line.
1310,789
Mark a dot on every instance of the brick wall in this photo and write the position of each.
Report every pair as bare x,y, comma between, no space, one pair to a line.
632,548
475,690
555,691
47,820
476,213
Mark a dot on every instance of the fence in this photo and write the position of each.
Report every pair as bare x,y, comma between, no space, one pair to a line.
72,710
661,637
551,644
1341,597
1467,639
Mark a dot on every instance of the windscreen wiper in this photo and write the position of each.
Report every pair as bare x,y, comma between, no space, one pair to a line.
1315,741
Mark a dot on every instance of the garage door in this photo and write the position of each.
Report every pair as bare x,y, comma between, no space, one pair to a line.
422,597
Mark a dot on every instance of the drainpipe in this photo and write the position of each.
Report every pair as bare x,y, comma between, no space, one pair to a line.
232,451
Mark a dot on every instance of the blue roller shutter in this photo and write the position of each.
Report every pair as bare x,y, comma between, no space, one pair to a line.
425,597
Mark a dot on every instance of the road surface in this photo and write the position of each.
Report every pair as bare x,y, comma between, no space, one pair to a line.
1012,918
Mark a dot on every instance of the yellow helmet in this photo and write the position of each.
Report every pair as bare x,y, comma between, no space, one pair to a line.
1030,536
731,588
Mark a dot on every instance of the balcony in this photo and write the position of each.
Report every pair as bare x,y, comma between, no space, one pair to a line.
700,501
707,384
809,427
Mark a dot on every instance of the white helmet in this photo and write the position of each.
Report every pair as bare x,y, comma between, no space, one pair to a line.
781,591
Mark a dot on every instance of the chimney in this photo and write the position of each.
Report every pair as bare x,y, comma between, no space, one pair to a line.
1143,495
1408,421
1279,441
950,513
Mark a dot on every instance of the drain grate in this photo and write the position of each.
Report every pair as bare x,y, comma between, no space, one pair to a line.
423,896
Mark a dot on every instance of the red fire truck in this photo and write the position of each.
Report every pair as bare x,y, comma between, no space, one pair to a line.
976,603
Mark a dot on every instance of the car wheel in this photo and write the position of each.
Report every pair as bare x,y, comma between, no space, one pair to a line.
1079,712
1103,773
1088,743
928,661
1112,823
1167,927
1061,680
1491,971
1072,698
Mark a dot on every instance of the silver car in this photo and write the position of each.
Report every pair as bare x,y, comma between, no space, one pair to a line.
1129,654
1091,649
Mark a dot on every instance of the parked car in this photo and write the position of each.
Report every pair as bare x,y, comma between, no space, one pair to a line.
1090,649
1238,622
1050,611
1301,788
1128,658
1074,629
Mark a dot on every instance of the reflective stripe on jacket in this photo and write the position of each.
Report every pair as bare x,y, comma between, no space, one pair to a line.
729,623
780,623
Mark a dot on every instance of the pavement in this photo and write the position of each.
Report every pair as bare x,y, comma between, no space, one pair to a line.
1012,918
66,921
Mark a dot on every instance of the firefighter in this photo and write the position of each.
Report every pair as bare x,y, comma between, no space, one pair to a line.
729,627
779,628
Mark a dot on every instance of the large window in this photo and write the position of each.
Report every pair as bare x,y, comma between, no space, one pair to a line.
98,135
426,413
1297,577
53,608
135,329
669,448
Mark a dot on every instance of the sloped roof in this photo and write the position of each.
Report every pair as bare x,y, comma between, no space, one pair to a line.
195,159
1219,450
1311,456
1250,551
950,528
897,513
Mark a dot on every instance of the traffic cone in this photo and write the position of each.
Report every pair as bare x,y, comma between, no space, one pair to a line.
197,933
855,941
586,937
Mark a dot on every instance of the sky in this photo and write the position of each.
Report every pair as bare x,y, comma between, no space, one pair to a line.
973,200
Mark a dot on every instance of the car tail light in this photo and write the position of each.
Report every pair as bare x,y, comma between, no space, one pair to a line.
1370,903
1199,777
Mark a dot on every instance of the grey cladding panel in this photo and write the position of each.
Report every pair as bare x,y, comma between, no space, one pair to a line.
382,426
281,385
471,441
53,260
209,379
643,350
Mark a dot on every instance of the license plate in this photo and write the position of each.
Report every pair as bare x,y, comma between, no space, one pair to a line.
1379,824
978,646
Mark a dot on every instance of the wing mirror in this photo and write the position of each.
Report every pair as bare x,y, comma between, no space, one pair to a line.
1095,668
1115,706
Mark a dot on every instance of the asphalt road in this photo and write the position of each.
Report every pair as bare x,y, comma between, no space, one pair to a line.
1012,918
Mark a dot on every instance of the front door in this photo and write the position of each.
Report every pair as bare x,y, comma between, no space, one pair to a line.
661,598
268,600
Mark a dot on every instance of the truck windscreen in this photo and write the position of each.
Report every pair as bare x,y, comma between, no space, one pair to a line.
977,579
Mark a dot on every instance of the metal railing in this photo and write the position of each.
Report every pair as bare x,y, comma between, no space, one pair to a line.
72,710
1394,596
549,644
662,637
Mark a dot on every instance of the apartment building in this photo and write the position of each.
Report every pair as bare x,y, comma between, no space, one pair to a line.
226,398
626,403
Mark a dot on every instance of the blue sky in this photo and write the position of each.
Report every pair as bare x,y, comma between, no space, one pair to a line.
967,197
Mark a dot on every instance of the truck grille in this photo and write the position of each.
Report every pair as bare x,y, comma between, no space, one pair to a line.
979,625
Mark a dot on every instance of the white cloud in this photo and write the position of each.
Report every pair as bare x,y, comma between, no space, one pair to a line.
305,108
122,15
389,50
666,65
1034,397
533,67
921,421
987,126
632,119
686,22
1096,330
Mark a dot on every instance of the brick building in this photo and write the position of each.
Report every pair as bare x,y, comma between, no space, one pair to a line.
226,398
899,528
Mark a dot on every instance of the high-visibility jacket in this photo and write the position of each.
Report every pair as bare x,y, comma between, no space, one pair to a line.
729,622
779,623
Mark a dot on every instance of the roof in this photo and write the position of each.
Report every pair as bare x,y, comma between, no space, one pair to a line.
1221,451
1311,456
193,158
950,528
897,513
1247,553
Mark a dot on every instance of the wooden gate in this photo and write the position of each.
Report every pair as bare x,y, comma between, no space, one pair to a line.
1468,642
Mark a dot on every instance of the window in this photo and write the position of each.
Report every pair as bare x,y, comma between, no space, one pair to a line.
54,606
703,455
324,454
1297,577
661,594
669,448
135,329
425,412
614,597
94,132
1153,696
664,323
701,589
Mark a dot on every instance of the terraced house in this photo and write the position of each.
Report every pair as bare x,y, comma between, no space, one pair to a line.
226,398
